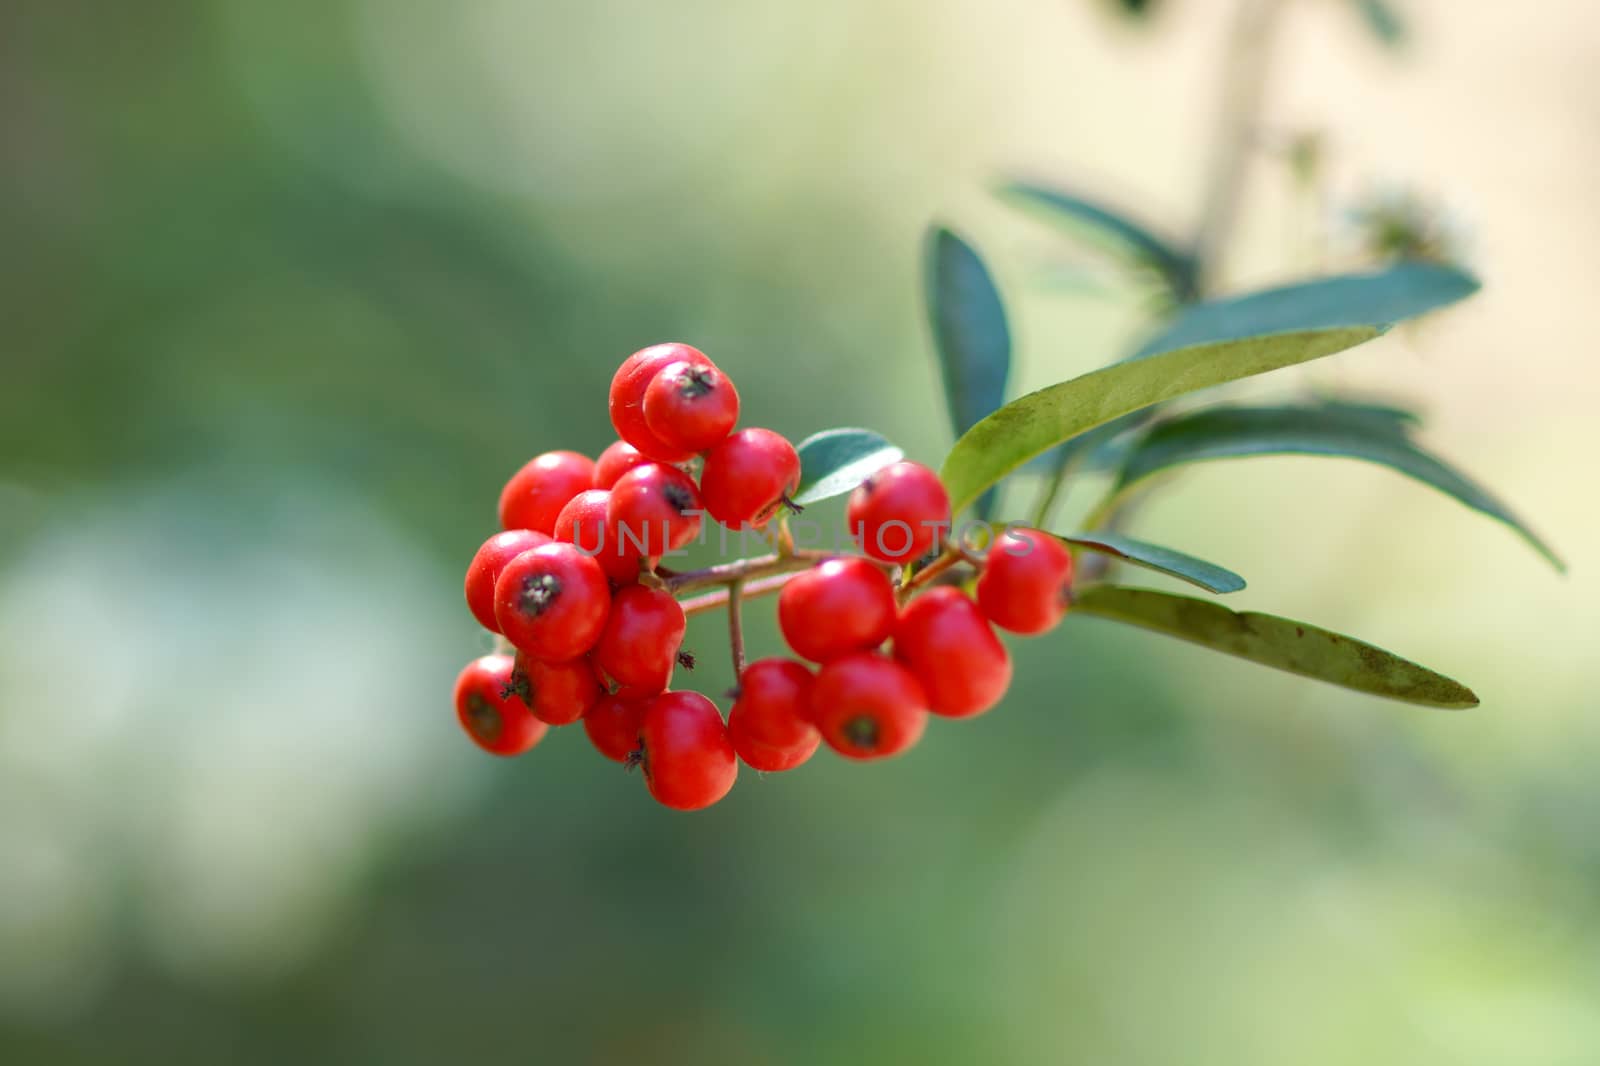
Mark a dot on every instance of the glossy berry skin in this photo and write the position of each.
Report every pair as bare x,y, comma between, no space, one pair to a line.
899,513
1026,581
867,706
612,726
535,494
765,757
837,607
690,406
628,387
746,477
552,602
773,707
639,646
557,693
486,565
586,523
656,506
687,758
946,641
499,724
619,458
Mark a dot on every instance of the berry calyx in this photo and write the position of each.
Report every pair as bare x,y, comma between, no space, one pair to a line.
684,751
748,476
899,513
486,565
618,458
498,724
949,645
612,725
586,524
552,602
1026,583
773,705
535,494
556,693
654,509
837,607
628,387
867,706
765,757
639,646
691,406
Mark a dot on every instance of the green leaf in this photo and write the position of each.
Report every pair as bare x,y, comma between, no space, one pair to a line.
1283,644
1384,21
835,461
1111,231
1210,344
1386,297
1372,434
1209,576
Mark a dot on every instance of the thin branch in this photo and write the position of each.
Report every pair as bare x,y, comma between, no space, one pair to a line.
736,628
749,590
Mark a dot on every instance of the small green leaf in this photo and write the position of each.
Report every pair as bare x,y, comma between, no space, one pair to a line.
1372,434
1209,344
1112,231
1280,643
835,461
1384,21
1209,576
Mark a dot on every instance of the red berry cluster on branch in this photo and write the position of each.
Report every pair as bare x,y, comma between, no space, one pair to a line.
574,587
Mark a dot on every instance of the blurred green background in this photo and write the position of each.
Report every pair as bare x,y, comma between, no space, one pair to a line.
287,290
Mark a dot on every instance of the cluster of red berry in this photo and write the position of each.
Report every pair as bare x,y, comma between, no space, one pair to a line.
573,584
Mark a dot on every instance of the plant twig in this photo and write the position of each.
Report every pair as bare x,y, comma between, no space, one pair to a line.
736,628
749,590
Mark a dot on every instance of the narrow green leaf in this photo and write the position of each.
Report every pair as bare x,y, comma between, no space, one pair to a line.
835,461
1209,576
1370,434
1208,344
1384,21
1283,644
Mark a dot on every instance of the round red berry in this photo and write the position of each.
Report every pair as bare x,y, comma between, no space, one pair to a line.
612,725
552,602
773,704
747,476
486,565
868,707
557,693
837,607
654,509
586,524
690,406
1026,583
640,644
687,758
765,757
628,387
615,461
948,643
497,723
535,494
899,513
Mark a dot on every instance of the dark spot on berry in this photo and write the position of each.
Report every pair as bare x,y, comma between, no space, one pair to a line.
538,593
686,660
483,718
861,732
680,497
640,758
696,382
518,685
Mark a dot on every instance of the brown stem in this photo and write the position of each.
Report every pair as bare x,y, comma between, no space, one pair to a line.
736,628
749,590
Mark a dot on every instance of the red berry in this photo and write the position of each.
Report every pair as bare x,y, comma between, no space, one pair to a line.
552,602
1026,581
628,386
773,705
615,461
640,644
950,646
498,724
690,406
535,494
840,606
868,707
586,524
747,476
613,726
687,758
557,693
654,509
492,557
765,757
899,513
